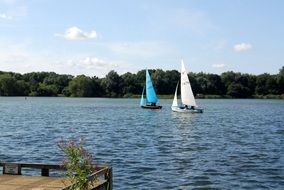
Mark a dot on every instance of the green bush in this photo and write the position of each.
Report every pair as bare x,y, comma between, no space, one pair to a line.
78,163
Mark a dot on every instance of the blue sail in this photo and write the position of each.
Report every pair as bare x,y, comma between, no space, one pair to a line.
142,98
151,96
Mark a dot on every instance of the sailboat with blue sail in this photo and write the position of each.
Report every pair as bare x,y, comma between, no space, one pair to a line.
151,97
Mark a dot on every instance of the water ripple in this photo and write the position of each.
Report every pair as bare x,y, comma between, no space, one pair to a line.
234,144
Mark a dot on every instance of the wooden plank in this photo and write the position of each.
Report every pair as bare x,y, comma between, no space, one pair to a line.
11,168
31,182
49,166
19,182
101,174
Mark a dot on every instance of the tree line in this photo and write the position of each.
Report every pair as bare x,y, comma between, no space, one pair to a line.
231,84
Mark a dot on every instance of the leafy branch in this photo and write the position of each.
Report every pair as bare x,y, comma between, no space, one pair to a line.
78,163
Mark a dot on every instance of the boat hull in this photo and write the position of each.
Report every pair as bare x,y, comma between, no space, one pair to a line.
186,110
151,107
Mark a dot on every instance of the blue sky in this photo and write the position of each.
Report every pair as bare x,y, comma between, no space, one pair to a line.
92,37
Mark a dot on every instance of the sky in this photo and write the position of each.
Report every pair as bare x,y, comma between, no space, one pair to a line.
92,37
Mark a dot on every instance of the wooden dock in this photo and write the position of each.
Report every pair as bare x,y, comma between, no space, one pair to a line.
18,182
14,179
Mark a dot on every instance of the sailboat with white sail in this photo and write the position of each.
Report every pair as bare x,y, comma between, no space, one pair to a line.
151,97
188,103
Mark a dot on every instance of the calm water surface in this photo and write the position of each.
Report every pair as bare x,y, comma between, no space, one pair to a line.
234,144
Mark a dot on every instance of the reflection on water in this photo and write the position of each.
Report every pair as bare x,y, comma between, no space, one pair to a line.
183,117
234,144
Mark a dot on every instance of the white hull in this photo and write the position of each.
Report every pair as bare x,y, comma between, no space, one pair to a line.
186,110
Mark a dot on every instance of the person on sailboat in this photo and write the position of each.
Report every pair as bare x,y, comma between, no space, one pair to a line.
191,107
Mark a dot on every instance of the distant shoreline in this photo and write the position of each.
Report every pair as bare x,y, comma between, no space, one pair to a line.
269,96
137,96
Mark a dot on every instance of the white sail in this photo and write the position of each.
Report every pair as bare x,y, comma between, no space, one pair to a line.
142,97
175,101
187,97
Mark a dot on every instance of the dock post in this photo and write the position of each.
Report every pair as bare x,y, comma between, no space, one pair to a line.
109,178
44,172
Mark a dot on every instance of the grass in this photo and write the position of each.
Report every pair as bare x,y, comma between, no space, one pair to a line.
211,96
269,96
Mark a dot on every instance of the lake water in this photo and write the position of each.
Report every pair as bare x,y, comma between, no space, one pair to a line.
234,144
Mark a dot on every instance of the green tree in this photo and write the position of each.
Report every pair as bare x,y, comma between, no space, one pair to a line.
215,86
266,84
47,90
159,82
8,85
130,84
280,81
238,90
246,83
171,79
60,81
35,76
141,79
208,84
193,82
112,84
81,86
98,90
201,83
22,88
229,77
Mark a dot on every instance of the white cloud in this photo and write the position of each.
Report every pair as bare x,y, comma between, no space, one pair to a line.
92,66
242,47
23,57
5,16
219,65
75,33
91,63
